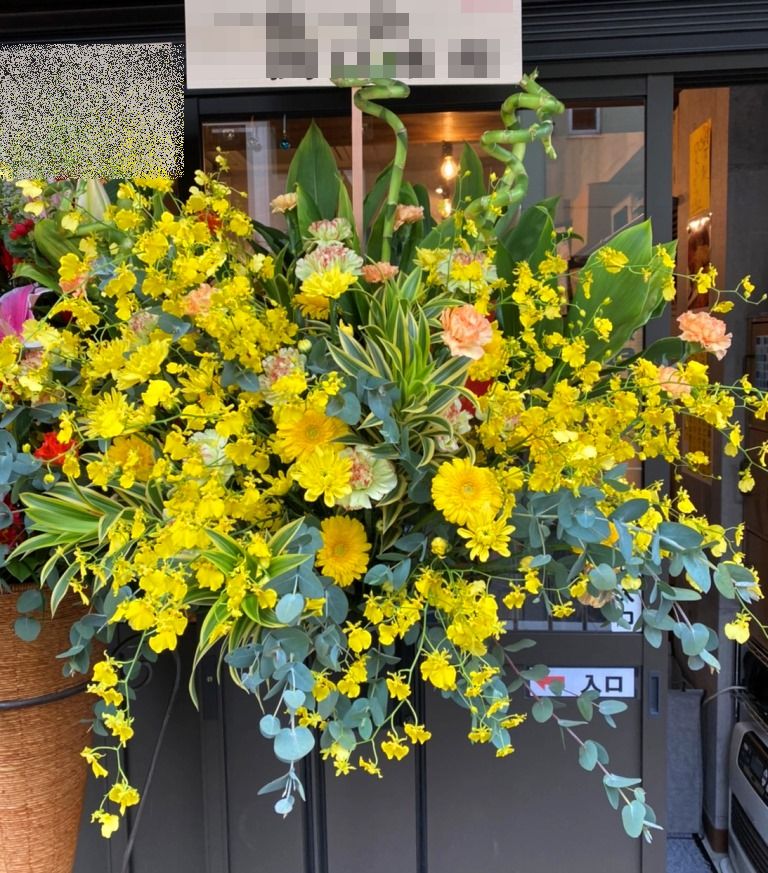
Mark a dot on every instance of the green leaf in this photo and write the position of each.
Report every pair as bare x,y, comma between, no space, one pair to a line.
588,755
632,817
285,535
611,707
631,510
26,628
285,805
519,645
530,239
542,709
628,298
653,636
30,600
679,536
376,196
603,577
611,780
275,785
292,744
613,796
307,211
62,586
294,698
314,170
472,185
345,210
723,581
538,671
585,704
269,726
693,639
46,278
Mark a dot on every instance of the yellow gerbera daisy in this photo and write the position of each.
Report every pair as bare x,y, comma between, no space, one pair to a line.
344,553
300,431
463,492
324,473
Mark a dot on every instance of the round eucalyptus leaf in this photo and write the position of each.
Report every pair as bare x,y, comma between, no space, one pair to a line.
289,608
269,725
27,629
292,744
284,805
30,600
294,698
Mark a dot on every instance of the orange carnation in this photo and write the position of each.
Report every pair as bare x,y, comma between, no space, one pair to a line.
707,331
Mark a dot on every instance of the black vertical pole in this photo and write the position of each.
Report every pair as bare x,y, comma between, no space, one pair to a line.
658,204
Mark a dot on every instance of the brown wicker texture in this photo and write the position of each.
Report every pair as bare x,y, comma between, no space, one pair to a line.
42,776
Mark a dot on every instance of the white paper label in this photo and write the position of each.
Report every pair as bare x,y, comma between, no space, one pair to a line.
608,681
289,43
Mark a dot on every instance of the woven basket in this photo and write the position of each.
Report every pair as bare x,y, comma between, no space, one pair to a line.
42,776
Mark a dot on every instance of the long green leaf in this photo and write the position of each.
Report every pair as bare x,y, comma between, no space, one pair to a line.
314,170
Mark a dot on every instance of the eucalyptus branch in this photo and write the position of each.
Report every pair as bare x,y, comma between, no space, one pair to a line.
570,731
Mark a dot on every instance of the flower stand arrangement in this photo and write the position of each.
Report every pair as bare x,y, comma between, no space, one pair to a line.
353,466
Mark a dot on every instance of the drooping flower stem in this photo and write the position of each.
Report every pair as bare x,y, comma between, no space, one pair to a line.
509,145
384,89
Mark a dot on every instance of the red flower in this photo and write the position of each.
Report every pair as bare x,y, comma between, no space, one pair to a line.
478,389
22,228
213,221
12,535
52,450
6,259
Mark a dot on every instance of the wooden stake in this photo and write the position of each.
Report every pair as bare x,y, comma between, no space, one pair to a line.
358,177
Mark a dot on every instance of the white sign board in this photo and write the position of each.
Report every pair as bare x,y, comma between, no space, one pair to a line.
607,681
289,43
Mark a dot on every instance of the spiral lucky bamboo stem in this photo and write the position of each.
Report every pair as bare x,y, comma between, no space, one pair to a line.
384,89
509,145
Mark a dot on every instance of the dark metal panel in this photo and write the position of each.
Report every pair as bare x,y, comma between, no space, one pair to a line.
555,29
658,207
91,20
213,767
534,810
259,840
193,151
174,800
371,822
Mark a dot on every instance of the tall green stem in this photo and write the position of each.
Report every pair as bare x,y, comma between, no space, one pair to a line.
509,145
384,89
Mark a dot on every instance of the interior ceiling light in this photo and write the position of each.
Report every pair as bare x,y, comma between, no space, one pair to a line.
448,166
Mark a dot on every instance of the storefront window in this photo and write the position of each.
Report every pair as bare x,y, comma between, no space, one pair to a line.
599,172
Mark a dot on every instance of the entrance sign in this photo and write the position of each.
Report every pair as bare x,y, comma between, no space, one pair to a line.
607,681
289,43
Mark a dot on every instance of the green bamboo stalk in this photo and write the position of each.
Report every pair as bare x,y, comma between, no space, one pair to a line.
384,89
509,145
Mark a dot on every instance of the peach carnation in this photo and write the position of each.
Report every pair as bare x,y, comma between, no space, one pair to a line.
465,331
406,214
283,203
198,302
707,331
671,380
379,272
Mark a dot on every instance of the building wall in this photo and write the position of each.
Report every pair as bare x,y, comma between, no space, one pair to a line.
739,245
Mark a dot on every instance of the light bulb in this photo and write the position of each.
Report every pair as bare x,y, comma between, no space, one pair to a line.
448,167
